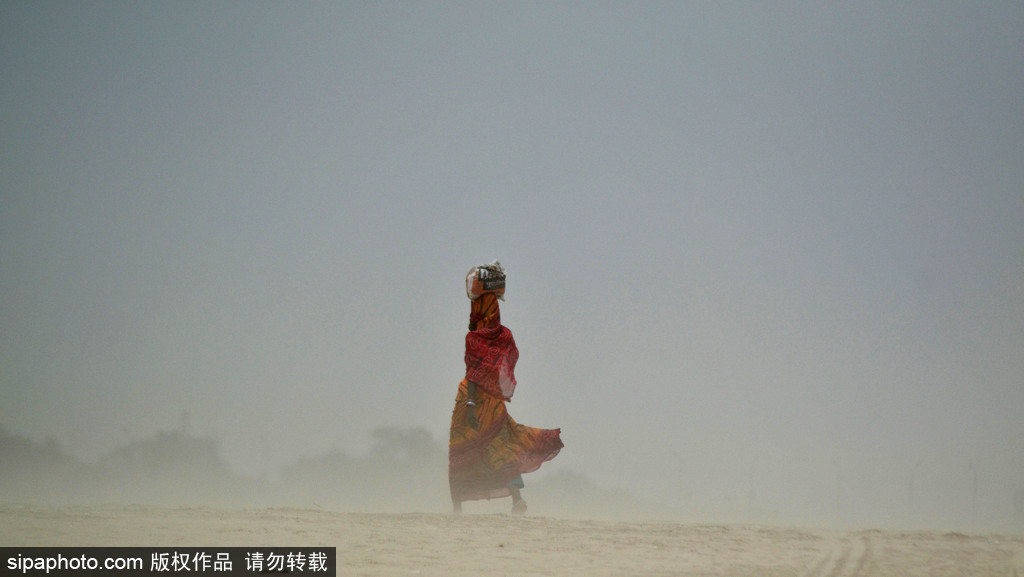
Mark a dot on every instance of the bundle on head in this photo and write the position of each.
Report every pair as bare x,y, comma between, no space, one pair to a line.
486,279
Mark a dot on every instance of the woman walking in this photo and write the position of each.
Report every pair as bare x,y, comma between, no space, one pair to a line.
488,452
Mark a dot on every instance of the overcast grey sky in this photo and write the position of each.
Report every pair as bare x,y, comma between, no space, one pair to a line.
759,253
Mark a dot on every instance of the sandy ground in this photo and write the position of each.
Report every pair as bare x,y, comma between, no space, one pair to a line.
425,544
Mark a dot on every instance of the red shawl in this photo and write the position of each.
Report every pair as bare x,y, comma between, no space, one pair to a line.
491,356
491,352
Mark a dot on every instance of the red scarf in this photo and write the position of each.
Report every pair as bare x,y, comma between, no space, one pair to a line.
491,352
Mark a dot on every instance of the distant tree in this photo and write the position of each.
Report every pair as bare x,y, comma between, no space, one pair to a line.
35,472
19,451
405,469
172,467
413,448
167,452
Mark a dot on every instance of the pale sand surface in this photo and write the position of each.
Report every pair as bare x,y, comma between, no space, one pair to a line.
427,544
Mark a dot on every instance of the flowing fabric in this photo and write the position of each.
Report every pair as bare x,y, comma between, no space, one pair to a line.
485,462
491,356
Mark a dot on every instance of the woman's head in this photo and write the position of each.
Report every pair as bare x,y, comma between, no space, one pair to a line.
484,312
485,286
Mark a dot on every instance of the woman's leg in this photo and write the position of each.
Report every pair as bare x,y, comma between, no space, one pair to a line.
518,504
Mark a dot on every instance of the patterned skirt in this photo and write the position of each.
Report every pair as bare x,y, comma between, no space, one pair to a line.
484,463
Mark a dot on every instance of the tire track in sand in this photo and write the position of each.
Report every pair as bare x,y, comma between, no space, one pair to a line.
844,557
1017,567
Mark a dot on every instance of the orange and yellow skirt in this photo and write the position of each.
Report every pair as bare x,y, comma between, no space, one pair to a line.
486,462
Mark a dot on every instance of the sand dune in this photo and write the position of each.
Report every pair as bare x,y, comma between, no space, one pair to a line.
439,544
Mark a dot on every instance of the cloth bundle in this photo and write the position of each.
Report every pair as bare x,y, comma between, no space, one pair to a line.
484,279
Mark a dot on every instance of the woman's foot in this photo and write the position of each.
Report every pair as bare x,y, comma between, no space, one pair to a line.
519,507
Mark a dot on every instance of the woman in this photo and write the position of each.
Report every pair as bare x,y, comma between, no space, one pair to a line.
488,452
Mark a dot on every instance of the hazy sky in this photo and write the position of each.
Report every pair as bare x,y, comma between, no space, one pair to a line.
756,251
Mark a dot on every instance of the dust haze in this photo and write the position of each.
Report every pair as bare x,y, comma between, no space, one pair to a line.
766,261
405,470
